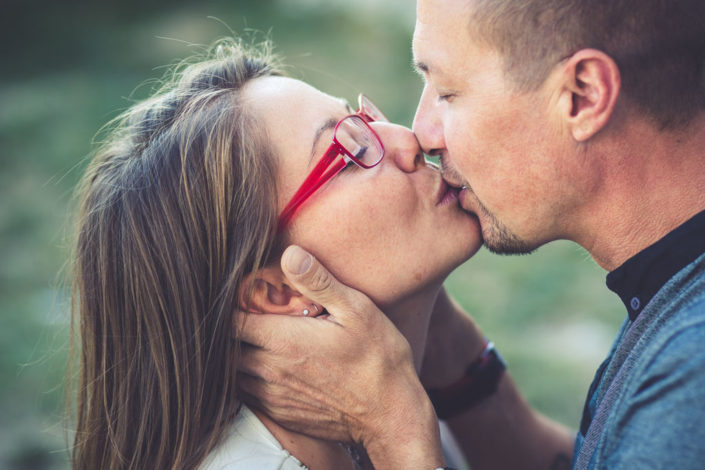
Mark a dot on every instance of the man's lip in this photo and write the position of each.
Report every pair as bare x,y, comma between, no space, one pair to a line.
466,200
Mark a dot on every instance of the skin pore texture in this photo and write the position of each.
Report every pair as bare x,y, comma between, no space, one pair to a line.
375,228
571,159
501,144
559,162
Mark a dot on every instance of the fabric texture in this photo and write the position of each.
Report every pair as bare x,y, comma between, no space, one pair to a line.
646,407
248,446
644,274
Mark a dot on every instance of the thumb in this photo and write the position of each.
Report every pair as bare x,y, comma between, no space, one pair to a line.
313,280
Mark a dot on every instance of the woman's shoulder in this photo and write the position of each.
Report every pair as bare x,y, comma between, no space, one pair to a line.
248,444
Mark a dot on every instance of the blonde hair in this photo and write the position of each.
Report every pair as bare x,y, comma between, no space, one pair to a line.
176,207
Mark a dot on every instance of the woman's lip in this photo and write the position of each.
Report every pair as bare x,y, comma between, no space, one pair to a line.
442,191
446,193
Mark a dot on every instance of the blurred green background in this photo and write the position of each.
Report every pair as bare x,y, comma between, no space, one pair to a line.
68,67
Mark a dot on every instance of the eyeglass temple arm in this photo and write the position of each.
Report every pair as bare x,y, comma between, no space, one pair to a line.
323,172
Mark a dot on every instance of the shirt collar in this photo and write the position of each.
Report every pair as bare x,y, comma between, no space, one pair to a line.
641,276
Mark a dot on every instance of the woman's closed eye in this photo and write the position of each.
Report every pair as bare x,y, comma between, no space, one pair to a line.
349,164
360,152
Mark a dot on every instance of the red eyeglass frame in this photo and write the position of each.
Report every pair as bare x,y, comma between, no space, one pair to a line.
327,167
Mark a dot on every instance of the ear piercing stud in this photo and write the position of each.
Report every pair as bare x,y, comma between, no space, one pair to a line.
306,312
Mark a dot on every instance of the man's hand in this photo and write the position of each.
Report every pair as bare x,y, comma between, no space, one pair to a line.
348,377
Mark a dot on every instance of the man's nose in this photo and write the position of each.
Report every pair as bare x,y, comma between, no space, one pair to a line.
400,146
428,126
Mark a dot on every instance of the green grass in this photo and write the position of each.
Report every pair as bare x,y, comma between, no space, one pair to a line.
69,69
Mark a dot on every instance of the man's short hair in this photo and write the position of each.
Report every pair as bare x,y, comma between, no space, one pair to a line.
658,45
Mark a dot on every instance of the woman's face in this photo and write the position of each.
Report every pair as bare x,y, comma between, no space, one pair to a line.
390,231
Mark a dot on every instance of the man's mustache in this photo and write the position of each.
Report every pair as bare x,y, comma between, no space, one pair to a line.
451,175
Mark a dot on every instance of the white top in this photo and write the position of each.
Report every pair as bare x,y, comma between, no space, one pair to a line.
249,445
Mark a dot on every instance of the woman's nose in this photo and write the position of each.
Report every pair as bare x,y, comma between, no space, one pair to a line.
400,146
428,126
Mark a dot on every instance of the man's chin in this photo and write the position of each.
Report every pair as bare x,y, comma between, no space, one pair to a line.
496,236
506,244
498,239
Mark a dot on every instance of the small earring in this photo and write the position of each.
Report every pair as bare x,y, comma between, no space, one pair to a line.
306,312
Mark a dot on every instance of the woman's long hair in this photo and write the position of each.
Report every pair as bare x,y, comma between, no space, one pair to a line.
176,207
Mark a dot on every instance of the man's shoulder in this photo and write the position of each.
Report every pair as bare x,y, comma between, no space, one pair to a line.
657,419
678,337
679,345
678,307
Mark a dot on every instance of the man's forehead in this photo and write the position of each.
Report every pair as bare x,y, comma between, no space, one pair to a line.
427,8
441,29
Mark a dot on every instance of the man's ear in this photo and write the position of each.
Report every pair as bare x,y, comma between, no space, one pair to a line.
267,291
591,84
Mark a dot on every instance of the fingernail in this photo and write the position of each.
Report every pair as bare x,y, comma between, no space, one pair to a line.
297,260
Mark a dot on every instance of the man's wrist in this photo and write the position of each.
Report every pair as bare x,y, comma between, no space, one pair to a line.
479,381
408,437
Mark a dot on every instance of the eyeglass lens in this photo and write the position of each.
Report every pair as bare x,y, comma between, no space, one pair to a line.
370,109
359,141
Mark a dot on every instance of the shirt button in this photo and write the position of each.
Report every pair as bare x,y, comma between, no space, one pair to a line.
635,303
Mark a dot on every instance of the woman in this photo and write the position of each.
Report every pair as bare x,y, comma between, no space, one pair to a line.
185,210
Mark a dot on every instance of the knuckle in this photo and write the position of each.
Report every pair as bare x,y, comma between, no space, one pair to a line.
361,301
269,375
361,305
320,280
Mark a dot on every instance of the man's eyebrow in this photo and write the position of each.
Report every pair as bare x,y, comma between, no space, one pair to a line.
421,68
348,109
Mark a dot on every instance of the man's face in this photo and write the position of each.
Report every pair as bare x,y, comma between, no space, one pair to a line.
505,146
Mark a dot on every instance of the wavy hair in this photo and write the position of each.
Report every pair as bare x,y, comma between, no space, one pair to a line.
176,207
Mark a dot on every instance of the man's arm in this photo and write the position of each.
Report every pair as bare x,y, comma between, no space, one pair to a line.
502,431
349,377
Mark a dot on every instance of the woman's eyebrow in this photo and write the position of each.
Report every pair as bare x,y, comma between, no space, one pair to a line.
329,124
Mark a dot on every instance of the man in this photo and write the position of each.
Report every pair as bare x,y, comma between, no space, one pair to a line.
574,119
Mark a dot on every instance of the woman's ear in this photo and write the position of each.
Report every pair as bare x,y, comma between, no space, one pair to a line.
267,291
591,86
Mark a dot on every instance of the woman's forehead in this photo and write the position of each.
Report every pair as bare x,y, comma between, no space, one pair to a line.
282,96
291,110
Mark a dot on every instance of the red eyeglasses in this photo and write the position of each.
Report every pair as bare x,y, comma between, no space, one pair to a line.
355,141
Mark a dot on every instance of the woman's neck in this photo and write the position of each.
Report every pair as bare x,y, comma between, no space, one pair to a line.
411,316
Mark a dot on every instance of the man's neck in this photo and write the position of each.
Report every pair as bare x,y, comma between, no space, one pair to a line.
653,183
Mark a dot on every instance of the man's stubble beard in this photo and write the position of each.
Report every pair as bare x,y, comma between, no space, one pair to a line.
497,237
